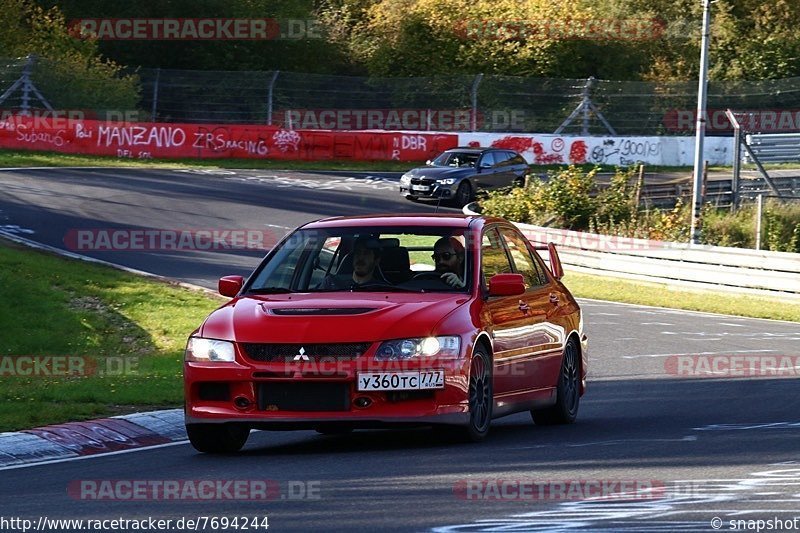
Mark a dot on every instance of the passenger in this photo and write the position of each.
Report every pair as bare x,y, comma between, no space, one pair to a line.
448,254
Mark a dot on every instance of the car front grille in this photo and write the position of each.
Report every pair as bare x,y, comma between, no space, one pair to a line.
269,353
423,181
288,396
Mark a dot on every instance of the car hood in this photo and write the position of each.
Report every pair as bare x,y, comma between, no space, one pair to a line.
329,317
441,172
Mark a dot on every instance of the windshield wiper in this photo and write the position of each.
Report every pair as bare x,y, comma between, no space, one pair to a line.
269,290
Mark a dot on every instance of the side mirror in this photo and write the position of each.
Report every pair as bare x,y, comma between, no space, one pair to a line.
230,285
555,262
485,165
428,162
506,285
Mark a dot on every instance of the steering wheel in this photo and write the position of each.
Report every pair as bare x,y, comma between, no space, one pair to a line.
431,274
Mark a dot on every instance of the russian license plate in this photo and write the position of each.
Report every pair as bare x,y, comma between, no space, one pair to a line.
420,188
430,379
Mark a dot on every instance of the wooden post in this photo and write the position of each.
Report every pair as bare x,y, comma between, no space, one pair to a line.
639,185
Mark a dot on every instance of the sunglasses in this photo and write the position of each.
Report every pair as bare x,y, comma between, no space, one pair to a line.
444,255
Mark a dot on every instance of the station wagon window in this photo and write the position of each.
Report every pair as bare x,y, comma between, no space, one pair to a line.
495,259
518,160
488,159
523,261
502,158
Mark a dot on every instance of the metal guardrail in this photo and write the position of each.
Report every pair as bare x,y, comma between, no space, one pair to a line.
763,273
773,147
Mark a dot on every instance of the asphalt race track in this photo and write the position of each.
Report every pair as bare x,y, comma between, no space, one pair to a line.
707,454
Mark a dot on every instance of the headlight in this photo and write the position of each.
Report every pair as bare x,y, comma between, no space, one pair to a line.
446,181
405,178
446,347
199,349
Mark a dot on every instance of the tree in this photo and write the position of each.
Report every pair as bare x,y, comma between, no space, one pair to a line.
70,71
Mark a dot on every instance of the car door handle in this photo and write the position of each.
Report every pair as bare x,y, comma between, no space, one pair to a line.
554,298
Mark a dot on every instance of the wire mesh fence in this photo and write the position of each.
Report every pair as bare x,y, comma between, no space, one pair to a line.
483,103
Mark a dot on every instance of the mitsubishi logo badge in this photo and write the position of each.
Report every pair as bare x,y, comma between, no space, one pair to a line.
301,356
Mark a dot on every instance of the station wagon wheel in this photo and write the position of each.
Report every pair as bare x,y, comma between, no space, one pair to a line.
217,438
480,396
463,193
568,395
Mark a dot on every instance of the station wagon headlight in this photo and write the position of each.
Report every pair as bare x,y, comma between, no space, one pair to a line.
446,181
405,179
200,349
443,347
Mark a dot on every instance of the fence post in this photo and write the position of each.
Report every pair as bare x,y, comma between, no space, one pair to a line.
586,98
154,109
474,98
639,186
270,90
26,84
759,210
737,169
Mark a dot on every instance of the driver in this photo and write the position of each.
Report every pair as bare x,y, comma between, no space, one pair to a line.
366,259
448,254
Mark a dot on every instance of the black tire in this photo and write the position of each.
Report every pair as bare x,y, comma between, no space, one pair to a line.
568,391
463,194
481,398
217,438
519,182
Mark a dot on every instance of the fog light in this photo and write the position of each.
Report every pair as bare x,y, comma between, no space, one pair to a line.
362,402
241,402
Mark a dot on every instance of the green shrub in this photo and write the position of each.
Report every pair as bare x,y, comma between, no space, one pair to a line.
564,199
723,228
570,199
781,226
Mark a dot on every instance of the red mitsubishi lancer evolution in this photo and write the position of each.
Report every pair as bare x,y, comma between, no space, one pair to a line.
376,321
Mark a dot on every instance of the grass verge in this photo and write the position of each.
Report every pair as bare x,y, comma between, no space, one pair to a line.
125,333
663,295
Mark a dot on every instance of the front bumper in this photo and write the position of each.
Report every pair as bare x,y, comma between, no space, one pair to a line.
234,392
425,191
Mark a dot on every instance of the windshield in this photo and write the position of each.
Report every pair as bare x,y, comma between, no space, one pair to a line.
456,159
392,259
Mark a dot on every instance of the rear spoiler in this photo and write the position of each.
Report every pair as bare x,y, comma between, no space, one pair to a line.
555,262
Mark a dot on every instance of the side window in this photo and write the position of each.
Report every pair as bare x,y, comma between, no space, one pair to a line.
503,159
494,259
523,261
518,160
541,267
488,159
